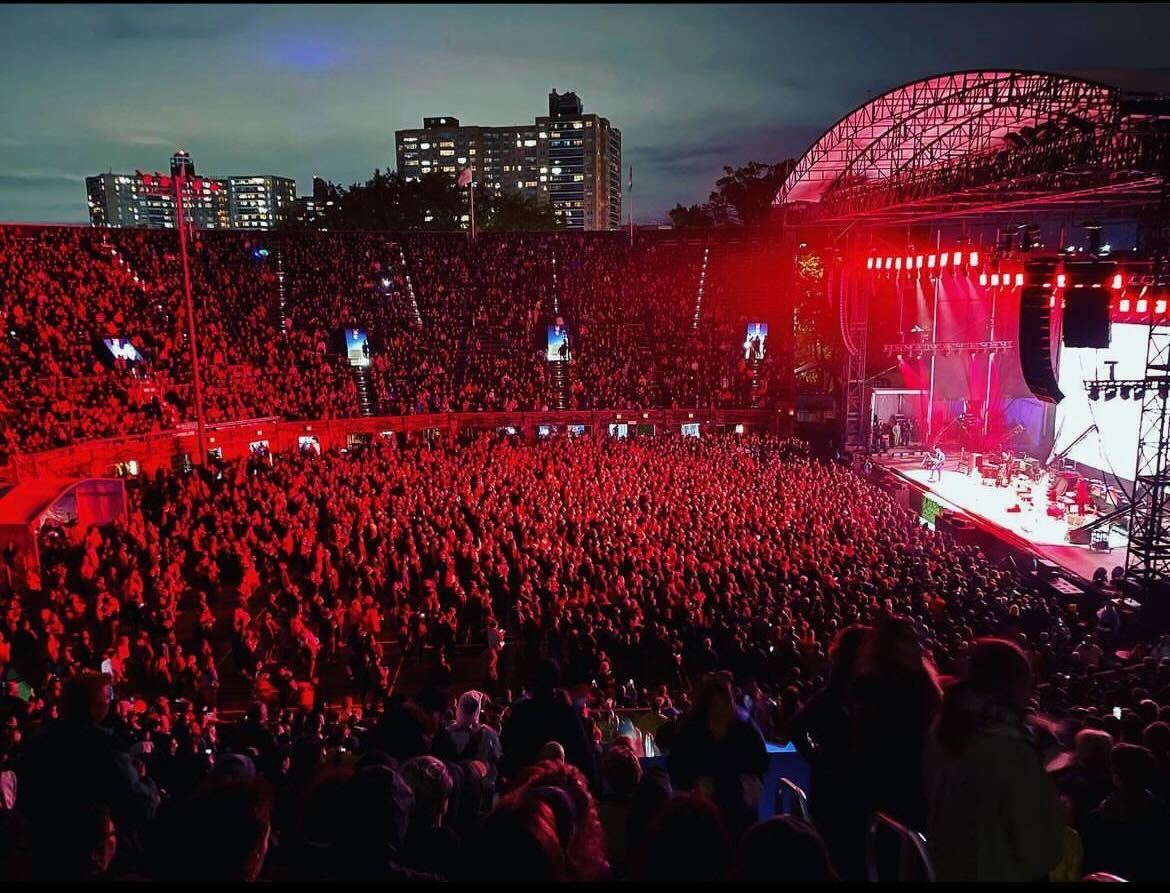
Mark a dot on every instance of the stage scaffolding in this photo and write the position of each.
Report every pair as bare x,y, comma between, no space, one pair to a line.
995,148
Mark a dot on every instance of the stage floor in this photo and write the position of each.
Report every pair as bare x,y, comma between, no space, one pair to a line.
988,507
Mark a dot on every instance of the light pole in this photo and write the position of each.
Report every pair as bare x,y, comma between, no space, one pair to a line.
160,185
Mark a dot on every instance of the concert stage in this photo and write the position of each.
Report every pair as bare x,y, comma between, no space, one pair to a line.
1030,529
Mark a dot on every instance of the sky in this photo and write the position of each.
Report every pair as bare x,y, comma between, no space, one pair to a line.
304,90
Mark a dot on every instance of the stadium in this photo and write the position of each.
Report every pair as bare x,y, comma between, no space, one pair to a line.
546,556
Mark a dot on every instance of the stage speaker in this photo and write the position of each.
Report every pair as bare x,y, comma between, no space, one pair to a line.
1036,331
1086,308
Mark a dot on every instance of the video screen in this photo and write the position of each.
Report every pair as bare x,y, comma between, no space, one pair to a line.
357,347
558,343
1112,444
753,344
122,349
576,430
619,429
691,429
308,443
546,430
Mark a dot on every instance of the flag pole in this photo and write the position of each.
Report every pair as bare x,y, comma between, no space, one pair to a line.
471,192
630,206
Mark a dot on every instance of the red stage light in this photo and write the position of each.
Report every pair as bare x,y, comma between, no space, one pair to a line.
958,258
1160,306
897,263
147,179
869,263
889,262
165,182
994,278
1019,279
909,263
943,259
930,262
1060,280
1052,301
1117,280
974,258
1123,305
1143,305
918,262
983,279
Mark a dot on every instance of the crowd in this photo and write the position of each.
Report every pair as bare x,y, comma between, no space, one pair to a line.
452,325
455,655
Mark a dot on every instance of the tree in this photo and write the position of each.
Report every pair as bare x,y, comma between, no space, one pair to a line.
694,217
512,212
744,196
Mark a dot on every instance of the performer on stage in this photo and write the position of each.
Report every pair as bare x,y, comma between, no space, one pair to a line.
936,460
1082,496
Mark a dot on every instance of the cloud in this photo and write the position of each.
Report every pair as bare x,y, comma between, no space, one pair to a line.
143,139
39,179
153,23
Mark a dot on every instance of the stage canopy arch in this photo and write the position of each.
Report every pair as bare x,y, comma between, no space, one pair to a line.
939,122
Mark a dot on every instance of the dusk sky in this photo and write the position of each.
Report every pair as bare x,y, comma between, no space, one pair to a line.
305,90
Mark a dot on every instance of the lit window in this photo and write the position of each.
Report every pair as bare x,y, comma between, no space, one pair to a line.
424,145
530,143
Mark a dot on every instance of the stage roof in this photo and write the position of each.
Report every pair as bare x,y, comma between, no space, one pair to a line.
956,135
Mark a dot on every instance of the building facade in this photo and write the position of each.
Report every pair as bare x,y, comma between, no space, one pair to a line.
567,159
135,200
260,202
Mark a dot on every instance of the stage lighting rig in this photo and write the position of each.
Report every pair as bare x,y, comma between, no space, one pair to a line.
1094,392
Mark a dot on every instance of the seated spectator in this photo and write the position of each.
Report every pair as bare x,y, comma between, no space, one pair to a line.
221,835
1086,780
687,842
1126,834
517,843
782,849
620,773
431,845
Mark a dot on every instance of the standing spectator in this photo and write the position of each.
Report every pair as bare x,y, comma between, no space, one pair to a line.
993,810
469,739
546,716
823,735
77,761
895,698
720,755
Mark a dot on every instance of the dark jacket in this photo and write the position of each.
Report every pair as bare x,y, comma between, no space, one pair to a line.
71,763
536,721
740,752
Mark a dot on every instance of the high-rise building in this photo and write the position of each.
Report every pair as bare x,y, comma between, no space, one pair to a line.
134,200
260,202
584,165
585,187
310,209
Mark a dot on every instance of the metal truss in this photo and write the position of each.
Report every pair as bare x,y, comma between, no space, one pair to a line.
854,319
980,142
944,348
1148,558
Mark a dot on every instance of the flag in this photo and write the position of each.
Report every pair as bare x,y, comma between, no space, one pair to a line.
465,176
